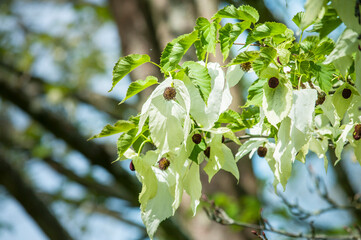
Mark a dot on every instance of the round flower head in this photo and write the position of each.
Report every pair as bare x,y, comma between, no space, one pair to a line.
169,93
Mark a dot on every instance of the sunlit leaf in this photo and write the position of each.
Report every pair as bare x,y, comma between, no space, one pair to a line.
138,86
127,64
175,50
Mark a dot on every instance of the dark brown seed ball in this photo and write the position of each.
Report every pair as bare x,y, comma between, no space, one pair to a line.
278,60
223,139
358,128
169,93
356,135
321,98
163,163
346,93
262,151
131,166
246,66
197,138
273,82
207,152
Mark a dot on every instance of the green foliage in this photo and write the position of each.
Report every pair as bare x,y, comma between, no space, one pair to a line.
138,86
174,51
127,64
283,105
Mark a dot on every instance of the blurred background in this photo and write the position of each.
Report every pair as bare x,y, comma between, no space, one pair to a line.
56,60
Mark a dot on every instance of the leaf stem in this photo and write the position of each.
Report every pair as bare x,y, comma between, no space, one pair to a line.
207,55
160,67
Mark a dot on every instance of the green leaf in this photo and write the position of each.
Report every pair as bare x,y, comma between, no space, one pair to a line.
199,76
346,45
266,57
354,111
197,149
329,22
312,10
119,126
228,34
277,102
175,50
126,140
127,64
193,186
297,19
249,146
341,104
284,153
347,14
246,56
233,120
303,109
283,55
329,110
358,71
267,29
323,74
207,33
244,12
255,93
138,86
340,143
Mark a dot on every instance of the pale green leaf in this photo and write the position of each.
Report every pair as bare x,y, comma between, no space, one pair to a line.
248,146
234,75
284,153
354,111
216,158
230,163
340,143
346,45
312,11
127,64
193,186
303,108
138,86
329,22
277,102
329,110
228,34
283,55
358,70
357,150
175,50
347,14
244,12
341,104
119,127
320,147
160,207
166,120
199,76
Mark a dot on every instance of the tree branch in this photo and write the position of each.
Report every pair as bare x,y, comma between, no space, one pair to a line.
218,215
102,103
61,128
26,196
